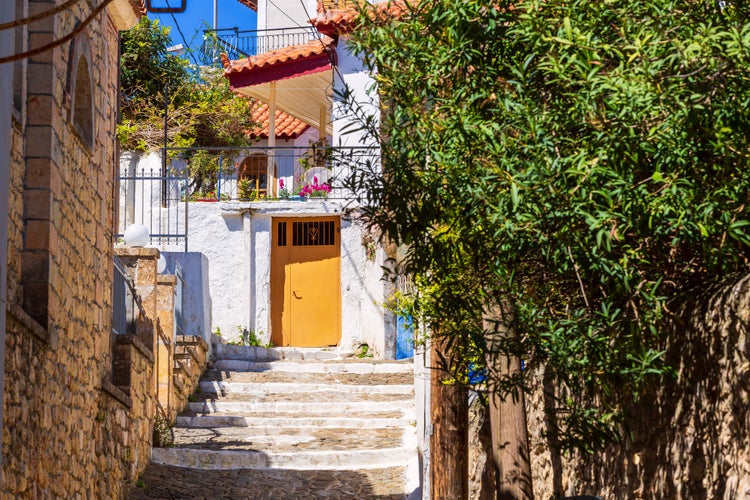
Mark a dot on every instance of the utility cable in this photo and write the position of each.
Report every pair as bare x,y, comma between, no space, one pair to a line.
327,52
57,43
37,17
179,30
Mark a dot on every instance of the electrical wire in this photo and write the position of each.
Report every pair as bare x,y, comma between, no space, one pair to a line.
327,52
57,43
179,30
37,17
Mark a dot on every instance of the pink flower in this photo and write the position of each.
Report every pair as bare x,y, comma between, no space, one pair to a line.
281,183
315,180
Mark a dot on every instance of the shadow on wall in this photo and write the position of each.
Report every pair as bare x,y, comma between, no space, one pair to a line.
690,435
196,298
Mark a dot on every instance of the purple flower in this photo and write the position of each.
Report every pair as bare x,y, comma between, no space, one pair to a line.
281,183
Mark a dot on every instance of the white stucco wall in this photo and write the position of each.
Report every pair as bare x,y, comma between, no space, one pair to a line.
236,239
353,76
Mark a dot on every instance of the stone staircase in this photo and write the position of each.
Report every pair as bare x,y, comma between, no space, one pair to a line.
292,423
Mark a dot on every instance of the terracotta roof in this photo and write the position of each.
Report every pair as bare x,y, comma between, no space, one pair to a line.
287,126
251,4
287,54
335,21
139,6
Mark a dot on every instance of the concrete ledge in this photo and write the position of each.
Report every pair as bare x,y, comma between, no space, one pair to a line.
39,332
116,393
132,339
311,207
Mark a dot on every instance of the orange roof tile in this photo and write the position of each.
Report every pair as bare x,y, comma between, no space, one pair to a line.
287,54
251,4
334,21
287,126
139,7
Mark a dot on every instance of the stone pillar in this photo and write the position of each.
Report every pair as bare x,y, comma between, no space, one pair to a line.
165,345
140,264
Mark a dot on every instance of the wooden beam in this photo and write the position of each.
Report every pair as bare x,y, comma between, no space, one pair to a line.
271,168
449,442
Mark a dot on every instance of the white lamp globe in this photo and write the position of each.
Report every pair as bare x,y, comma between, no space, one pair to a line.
136,235
161,264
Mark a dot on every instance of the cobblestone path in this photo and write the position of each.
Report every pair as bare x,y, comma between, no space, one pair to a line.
264,426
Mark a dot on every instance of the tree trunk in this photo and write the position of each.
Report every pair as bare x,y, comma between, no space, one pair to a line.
449,442
510,442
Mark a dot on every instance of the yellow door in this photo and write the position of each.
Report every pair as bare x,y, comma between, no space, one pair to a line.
305,282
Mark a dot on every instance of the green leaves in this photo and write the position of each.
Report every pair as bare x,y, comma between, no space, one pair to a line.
589,162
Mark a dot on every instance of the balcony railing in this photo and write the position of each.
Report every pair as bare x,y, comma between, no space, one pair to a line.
238,44
241,175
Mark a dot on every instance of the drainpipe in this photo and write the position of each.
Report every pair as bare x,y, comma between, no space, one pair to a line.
7,13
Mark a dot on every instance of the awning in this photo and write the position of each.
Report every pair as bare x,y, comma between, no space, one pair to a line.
298,78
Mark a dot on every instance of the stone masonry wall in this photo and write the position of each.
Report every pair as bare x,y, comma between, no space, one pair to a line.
689,436
68,431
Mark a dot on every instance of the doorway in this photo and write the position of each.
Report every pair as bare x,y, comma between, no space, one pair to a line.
306,282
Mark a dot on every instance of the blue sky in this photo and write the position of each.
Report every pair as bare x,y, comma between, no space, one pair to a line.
191,22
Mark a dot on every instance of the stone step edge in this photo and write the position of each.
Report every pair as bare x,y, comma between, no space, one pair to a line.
362,368
299,460
213,421
406,406
212,387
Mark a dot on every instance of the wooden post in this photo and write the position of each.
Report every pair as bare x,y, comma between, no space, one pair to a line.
270,169
510,442
449,442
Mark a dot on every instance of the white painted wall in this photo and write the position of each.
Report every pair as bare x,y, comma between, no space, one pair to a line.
196,293
236,239
353,76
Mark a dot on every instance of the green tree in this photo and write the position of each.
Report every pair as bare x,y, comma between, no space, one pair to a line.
574,167
202,110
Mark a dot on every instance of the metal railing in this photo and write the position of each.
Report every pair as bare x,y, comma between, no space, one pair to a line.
238,44
295,167
161,202
156,201
124,300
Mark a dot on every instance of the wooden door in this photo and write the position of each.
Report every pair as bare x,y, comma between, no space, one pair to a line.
305,282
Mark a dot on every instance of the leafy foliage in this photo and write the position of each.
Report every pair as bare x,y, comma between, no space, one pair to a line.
202,110
585,163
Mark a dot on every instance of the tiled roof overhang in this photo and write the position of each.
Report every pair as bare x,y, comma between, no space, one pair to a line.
250,4
338,21
291,62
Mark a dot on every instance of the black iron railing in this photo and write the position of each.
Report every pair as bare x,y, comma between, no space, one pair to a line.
124,300
238,44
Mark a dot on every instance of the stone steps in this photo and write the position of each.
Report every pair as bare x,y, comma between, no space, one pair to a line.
396,409
326,427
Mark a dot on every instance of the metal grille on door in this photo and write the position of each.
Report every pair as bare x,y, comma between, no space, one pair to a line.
313,233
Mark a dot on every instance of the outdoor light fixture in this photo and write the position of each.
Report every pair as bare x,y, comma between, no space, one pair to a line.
161,264
136,235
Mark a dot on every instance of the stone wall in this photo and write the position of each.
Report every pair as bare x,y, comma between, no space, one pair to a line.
78,403
688,437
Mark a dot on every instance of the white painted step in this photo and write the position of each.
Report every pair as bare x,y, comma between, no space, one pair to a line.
288,422
289,388
362,367
226,351
302,460
406,407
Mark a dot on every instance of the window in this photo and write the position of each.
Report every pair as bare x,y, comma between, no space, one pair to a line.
254,169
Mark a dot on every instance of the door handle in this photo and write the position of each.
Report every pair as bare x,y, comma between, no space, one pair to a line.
294,292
